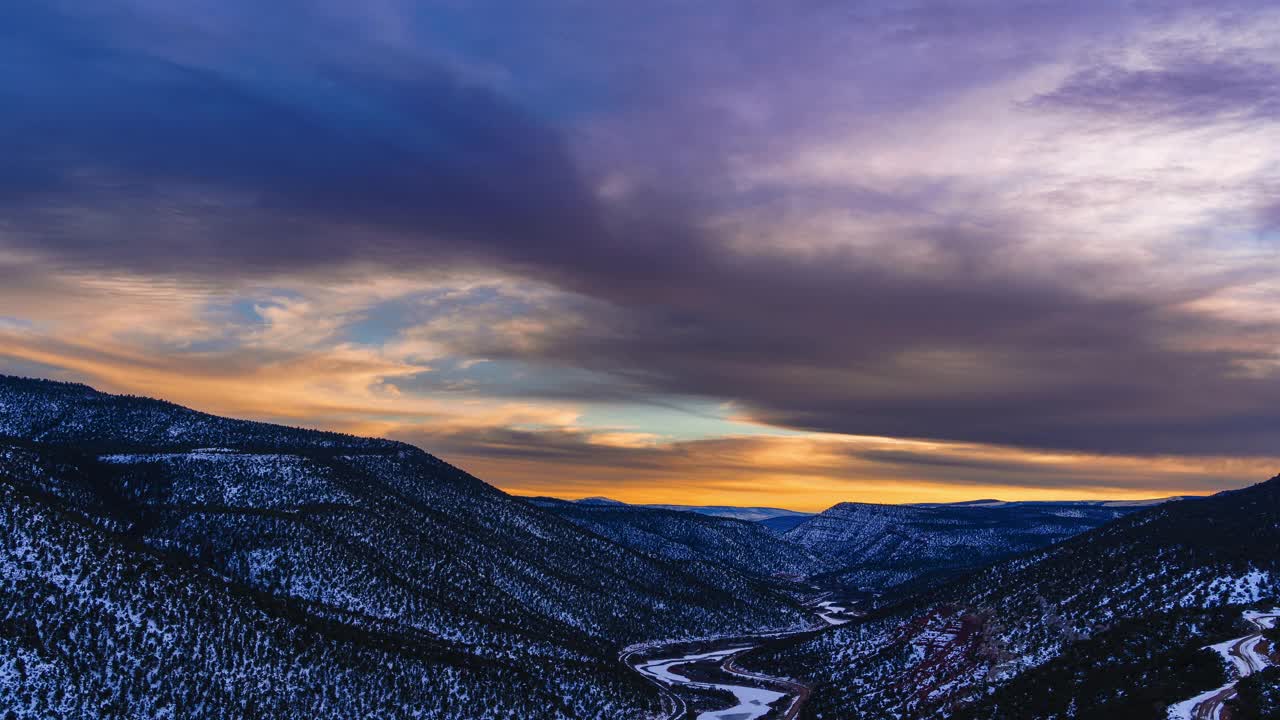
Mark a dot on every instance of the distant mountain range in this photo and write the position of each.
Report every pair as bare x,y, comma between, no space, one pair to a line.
861,546
754,514
776,519
879,547
876,547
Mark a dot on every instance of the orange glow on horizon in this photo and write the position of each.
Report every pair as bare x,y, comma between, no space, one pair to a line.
346,389
800,494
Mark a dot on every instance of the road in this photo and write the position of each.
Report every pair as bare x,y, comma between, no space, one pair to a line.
799,693
672,704
1246,655
668,666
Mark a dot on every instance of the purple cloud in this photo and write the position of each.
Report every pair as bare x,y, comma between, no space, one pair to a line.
1190,90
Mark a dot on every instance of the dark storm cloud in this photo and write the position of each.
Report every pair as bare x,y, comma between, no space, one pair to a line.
551,445
125,153
561,460
1191,90
824,347
293,142
120,156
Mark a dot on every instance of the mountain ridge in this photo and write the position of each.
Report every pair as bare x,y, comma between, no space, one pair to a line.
1106,624
883,546
358,537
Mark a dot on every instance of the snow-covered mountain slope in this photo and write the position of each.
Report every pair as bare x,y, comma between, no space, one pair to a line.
882,546
747,547
1106,624
96,626
361,540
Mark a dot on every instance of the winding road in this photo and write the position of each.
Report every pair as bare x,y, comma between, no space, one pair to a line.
670,669
1246,655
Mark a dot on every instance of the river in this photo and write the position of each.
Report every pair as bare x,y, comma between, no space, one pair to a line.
755,695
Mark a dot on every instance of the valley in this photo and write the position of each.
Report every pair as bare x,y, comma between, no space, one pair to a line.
154,556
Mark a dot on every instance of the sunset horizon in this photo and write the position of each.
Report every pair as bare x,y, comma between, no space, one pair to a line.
1047,270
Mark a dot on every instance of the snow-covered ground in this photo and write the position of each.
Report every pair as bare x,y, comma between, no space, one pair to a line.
1244,655
752,702
830,612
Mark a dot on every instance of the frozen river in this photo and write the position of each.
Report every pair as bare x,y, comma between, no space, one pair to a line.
752,702
754,695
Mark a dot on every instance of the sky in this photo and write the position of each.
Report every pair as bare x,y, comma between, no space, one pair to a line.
715,252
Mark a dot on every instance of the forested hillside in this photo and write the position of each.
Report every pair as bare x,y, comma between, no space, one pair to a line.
1105,624
408,579
878,547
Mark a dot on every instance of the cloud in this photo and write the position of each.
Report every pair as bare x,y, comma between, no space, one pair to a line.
1188,90
813,471
124,153
888,244
827,345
